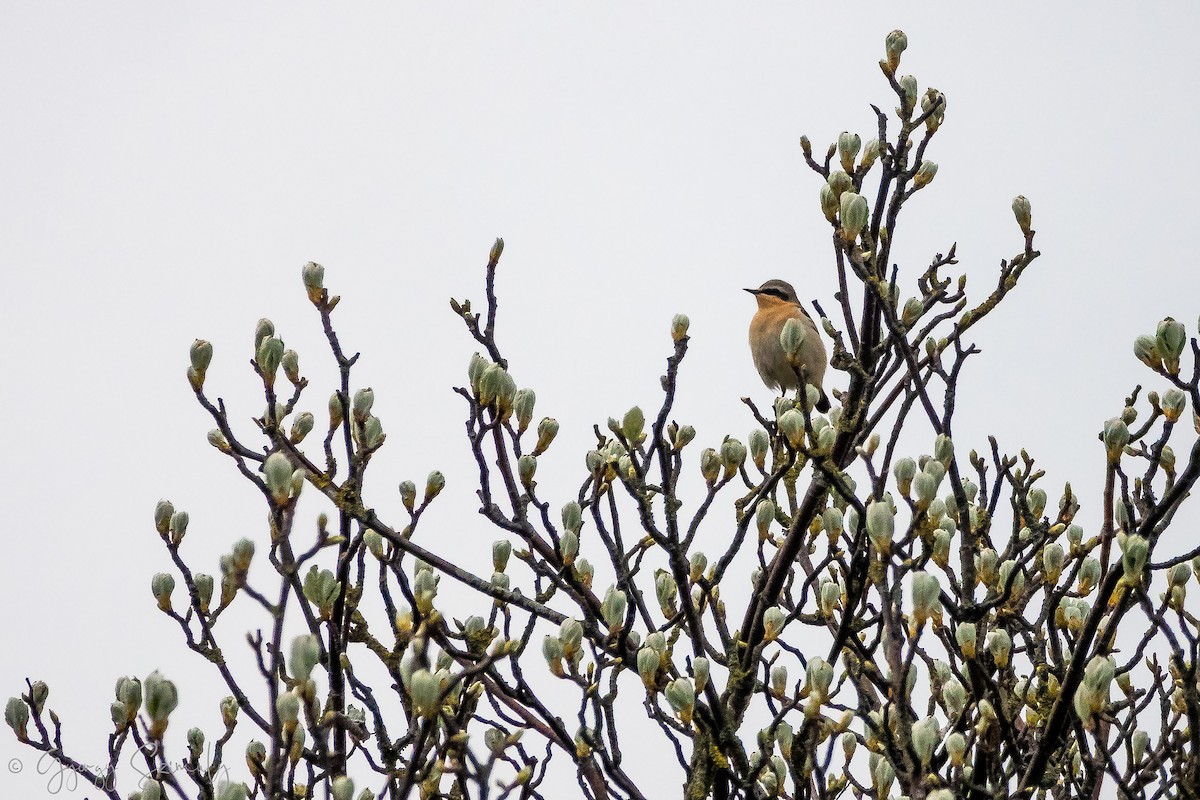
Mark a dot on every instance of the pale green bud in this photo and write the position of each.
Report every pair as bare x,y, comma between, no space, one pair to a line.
817,678
572,516
526,469
613,608
840,183
904,471
700,670
434,484
178,526
335,410
1022,212
1116,436
306,654
833,522
895,44
1135,550
908,84
16,714
632,424
830,594
881,525
926,591
277,471
547,430
162,585
791,425
679,327
779,677
218,440
848,145
569,547
287,707
666,590
523,403
829,202
792,337
684,435
161,699
1178,575
764,515
301,426
999,644
501,550
965,635
773,622
925,173
268,356
1141,740
408,494
710,465
657,642
954,695
1173,403
425,689
262,329
854,214
681,696
733,455
1146,350
1037,502
313,275
1170,339
163,512
648,661
1166,459
1053,558
760,444
291,365
925,737
1089,575
232,791
364,400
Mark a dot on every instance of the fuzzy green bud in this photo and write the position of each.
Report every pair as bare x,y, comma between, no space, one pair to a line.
848,145
965,635
612,609
773,622
434,484
895,44
854,213
681,696
759,446
881,525
523,403
925,174
679,327
306,654
161,699
547,430
162,585
425,689
829,202
1170,339
1115,436
683,436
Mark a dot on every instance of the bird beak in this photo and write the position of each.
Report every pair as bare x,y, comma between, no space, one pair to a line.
751,291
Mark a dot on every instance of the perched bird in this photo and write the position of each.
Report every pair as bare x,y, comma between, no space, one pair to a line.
777,303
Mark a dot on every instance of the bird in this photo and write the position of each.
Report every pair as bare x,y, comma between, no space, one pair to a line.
777,303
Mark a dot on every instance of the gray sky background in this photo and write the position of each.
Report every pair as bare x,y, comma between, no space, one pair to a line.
165,170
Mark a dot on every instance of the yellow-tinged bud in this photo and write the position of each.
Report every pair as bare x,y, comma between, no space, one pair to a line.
881,525
434,483
648,662
956,748
925,173
710,465
679,327
848,145
547,430
764,515
1022,211
612,609
1173,403
965,635
1135,550
681,696
774,619
895,44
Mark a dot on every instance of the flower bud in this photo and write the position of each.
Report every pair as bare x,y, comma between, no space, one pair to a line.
161,699
648,661
278,474
925,173
1115,436
1145,348
926,592
1052,561
313,275
335,410
999,644
700,669
854,213
773,622
684,435
301,426
666,590
201,356
178,526
16,714
526,468
1173,403
681,696
954,696
965,635
425,688
163,512
1169,340
306,654
268,357
1135,550
568,546
791,425
162,585
501,550
759,445
778,680
925,737
523,403
764,515
547,430
733,455
710,465
904,471
895,44
830,594
817,678
840,183
829,202
291,365
612,609
881,525
434,484
679,327
364,400
1021,210
408,494
908,85
848,145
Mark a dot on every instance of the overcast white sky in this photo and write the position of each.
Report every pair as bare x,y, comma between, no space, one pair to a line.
165,170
